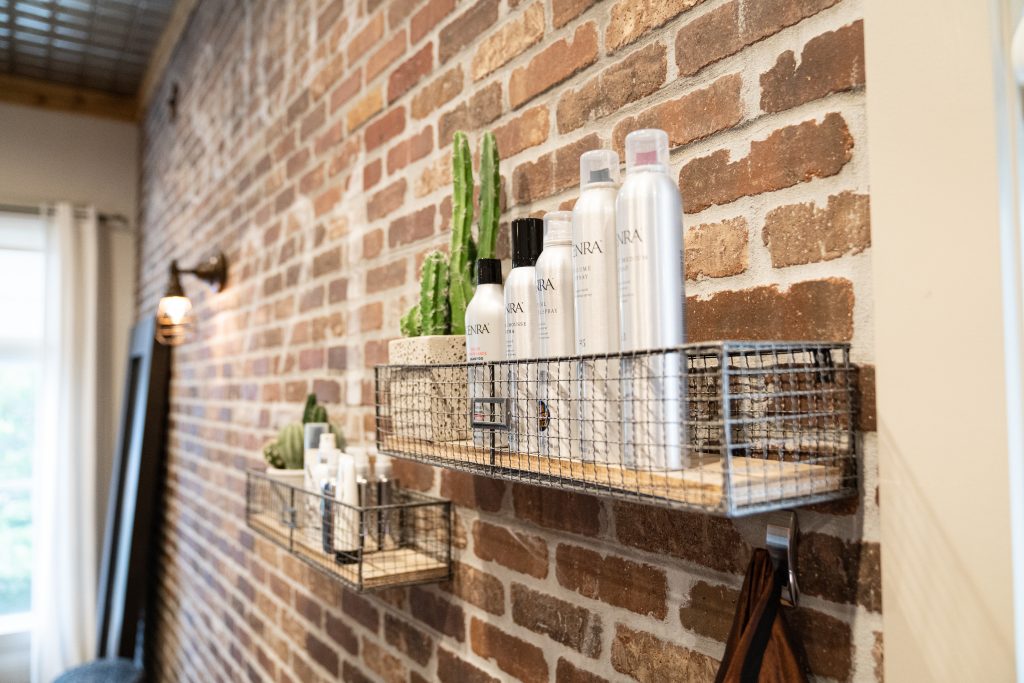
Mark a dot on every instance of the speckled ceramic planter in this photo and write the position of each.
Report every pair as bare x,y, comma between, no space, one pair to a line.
438,409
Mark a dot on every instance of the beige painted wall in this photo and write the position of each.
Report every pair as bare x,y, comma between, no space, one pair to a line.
938,233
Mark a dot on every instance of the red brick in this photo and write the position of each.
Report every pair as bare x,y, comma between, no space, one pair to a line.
371,316
788,156
360,609
708,541
551,173
564,11
438,92
368,106
312,298
867,418
385,277
322,653
297,162
514,656
438,613
411,227
327,262
639,588
565,623
529,129
451,669
523,553
827,643
362,42
327,76
818,309
311,359
375,352
482,108
389,669
312,181
413,475
566,672
557,509
723,31
464,29
635,77
513,37
337,290
644,657
340,632
427,17
384,128
327,390
691,117
410,72
399,11
476,587
346,90
372,173
313,121
472,491
386,200
350,673
328,16
847,572
832,62
804,233
709,610
716,249
553,65
412,642
631,19
326,200
337,358
411,149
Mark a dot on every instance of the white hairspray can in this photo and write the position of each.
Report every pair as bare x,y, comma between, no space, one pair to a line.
558,425
649,231
595,269
521,336
485,346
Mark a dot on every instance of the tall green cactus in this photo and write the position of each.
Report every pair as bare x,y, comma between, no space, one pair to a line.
490,197
434,295
313,412
460,265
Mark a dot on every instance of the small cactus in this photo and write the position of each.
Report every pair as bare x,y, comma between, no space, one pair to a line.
410,322
272,454
287,452
460,264
434,296
490,197
313,412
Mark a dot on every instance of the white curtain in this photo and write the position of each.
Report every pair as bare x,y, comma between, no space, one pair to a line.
64,497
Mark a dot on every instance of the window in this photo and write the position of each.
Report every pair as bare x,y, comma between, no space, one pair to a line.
22,299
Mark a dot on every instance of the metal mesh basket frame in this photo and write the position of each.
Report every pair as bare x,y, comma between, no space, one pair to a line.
730,428
405,542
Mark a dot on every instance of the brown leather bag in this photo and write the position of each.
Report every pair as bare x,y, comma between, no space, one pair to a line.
760,648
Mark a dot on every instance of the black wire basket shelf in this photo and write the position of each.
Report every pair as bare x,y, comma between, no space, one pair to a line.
404,542
730,428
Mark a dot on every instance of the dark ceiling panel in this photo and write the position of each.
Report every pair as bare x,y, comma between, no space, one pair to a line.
99,44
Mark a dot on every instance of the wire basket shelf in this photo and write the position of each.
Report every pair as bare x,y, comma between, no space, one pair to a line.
405,542
731,428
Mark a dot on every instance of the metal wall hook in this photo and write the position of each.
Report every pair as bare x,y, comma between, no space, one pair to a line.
780,540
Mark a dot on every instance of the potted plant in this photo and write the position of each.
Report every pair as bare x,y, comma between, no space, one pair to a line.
434,329
285,455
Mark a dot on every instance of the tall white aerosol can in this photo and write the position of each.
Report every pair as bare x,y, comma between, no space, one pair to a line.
595,268
558,427
649,232
521,335
485,345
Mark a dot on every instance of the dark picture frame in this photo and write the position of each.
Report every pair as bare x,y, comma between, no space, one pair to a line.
131,539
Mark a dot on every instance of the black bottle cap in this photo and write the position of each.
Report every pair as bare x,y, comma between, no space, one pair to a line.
488,271
527,241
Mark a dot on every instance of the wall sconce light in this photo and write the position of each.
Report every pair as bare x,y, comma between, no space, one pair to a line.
174,321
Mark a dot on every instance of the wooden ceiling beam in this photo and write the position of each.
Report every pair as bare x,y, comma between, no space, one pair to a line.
49,95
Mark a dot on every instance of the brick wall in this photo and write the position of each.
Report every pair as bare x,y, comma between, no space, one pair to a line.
311,144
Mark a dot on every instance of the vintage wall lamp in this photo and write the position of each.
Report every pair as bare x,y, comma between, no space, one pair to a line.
174,320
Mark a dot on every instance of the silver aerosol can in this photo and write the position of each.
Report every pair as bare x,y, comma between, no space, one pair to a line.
595,268
649,232
557,426
485,346
521,341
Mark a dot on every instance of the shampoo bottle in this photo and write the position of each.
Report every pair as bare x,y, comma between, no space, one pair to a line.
521,333
649,231
557,339
346,527
595,269
485,344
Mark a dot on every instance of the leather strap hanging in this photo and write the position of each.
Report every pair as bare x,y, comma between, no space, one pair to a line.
759,648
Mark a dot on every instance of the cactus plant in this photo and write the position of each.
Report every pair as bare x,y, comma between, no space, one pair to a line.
460,264
434,295
313,412
490,197
287,452
410,322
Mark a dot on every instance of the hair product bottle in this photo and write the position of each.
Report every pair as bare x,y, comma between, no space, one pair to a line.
649,231
485,344
595,269
521,341
557,338
346,526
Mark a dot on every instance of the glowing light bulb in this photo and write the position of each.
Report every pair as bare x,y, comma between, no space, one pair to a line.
175,308
173,320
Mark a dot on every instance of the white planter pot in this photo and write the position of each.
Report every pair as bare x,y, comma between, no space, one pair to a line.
296,478
430,404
